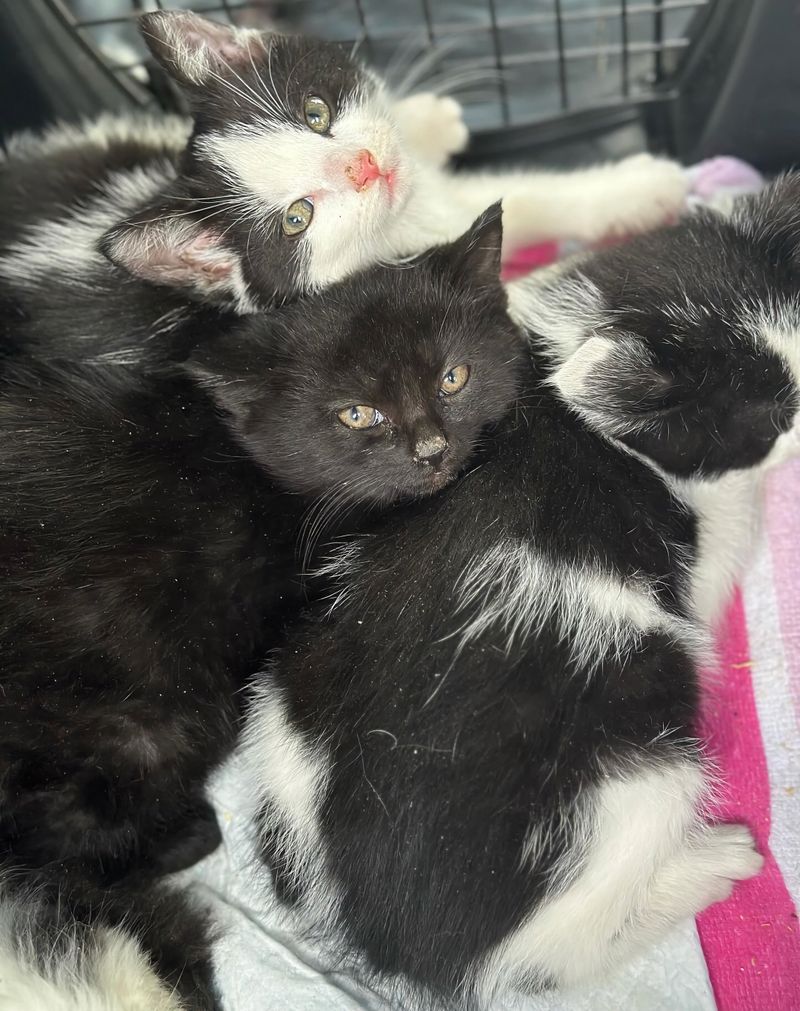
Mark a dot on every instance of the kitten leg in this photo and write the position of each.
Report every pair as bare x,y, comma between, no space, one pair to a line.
642,862
703,873
71,970
432,126
633,195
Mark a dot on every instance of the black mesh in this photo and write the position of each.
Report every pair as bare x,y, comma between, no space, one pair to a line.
512,62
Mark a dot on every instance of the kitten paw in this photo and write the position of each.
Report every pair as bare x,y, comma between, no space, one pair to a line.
652,191
731,855
433,126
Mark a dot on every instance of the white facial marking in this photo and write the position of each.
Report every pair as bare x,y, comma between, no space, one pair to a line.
278,164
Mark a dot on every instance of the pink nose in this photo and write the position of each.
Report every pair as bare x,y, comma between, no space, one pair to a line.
363,170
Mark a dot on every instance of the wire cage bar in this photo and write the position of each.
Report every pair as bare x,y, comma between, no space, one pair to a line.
514,63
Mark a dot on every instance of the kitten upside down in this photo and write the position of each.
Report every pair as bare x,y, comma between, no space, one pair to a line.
299,167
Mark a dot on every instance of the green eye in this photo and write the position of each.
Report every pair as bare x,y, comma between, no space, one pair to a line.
298,217
317,114
360,416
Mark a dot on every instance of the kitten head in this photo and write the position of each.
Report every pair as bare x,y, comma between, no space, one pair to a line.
377,389
293,171
685,343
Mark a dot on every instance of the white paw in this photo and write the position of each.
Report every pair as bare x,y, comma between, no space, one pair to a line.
432,125
730,855
734,848
652,191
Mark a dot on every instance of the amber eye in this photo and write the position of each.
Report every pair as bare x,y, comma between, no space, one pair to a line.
360,416
297,217
317,114
454,380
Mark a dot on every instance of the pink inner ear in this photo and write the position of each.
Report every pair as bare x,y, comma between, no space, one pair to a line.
226,43
203,254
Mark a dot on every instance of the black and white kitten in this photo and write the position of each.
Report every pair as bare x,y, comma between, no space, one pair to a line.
476,763
148,544
683,345
300,169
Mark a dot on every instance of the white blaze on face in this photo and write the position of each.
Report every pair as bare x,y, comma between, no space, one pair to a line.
279,163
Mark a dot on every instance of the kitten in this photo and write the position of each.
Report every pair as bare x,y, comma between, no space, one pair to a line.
475,763
299,170
148,542
649,341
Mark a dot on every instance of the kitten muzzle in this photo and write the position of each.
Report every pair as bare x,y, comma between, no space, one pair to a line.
429,450
364,170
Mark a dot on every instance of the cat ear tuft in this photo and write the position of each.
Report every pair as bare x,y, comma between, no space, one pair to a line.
194,50
477,254
616,383
223,369
166,246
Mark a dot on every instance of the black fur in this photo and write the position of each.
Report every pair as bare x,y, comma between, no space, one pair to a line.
232,91
442,757
692,383
148,555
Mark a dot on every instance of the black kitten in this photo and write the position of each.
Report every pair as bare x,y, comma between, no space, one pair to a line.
148,551
476,765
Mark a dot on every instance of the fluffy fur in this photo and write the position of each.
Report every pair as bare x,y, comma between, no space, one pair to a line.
475,765
683,345
212,225
149,555
144,948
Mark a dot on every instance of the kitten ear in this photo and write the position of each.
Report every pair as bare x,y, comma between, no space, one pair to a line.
193,50
772,218
476,256
166,244
224,369
616,383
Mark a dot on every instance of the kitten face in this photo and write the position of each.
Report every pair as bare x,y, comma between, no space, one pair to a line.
294,168
379,388
685,344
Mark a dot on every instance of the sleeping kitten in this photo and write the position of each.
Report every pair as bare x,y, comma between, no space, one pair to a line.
148,549
475,763
299,170
683,346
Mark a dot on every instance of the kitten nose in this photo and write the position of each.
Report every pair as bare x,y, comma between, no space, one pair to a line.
363,170
430,449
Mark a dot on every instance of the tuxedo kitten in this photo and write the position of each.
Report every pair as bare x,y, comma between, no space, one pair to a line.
475,763
148,549
300,170
683,346
60,192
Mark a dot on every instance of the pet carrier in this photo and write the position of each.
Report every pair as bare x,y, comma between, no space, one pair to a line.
553,80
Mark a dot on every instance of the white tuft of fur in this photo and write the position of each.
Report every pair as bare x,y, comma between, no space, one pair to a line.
563,312
514,588
201,48
109,972
644,861
289,775
68,246
573,378
105,132
728,510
